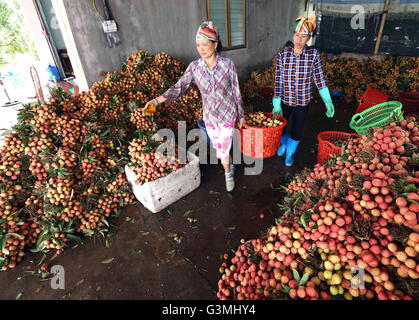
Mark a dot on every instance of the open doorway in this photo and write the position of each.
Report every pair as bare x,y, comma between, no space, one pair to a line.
54,38
17,53
36,54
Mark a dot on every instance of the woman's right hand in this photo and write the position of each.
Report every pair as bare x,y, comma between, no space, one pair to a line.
150,107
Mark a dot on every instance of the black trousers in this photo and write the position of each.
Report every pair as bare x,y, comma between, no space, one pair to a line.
298,114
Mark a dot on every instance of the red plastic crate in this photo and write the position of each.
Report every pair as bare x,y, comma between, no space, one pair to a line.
326,147
410,102
267,91
261,142
371,98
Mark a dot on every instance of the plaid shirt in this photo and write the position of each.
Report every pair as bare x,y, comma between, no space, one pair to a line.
294,75
220,91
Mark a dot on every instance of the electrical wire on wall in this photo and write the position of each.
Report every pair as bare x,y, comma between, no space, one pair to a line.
97,11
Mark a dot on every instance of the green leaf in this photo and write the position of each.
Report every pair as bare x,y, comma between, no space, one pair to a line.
188,213
2,262
40,243
296,275
2,243
38,248
303,221
104,134
107,261
12,234
44,257
105,222
272,187
73,238
88,232
411,188
285,289
53,257
7,132
172,253
304,279
304,218
17,212
278,220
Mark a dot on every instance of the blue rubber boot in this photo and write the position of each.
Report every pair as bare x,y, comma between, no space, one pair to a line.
291,148
283,146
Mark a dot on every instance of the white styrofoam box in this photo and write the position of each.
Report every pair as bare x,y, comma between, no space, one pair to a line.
159,194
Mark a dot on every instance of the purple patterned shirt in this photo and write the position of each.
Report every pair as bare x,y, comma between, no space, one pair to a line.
294,75
220,91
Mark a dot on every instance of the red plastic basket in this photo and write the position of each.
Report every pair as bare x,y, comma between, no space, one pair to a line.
327,148
261,142
371,98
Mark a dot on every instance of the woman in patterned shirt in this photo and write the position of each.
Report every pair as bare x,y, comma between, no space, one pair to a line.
216,78
296,68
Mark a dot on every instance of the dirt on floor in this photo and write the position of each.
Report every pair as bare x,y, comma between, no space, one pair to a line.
139,259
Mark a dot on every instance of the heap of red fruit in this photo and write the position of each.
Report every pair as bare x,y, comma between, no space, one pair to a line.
349,228
392,75
61,170
149,163
260,119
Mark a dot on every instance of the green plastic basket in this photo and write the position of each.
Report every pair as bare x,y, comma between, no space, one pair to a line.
376,116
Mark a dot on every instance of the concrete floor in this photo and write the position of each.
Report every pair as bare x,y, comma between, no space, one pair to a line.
147,263
8,118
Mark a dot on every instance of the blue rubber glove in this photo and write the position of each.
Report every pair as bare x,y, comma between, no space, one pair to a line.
277,106
327,99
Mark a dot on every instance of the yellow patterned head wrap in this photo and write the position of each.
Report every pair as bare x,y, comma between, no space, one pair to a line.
306,25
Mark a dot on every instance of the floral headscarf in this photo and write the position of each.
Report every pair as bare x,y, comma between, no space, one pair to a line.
207,31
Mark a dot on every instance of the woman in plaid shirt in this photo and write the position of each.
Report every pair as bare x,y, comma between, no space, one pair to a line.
296,68
216,78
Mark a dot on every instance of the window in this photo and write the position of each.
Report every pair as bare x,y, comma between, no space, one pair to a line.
229,16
